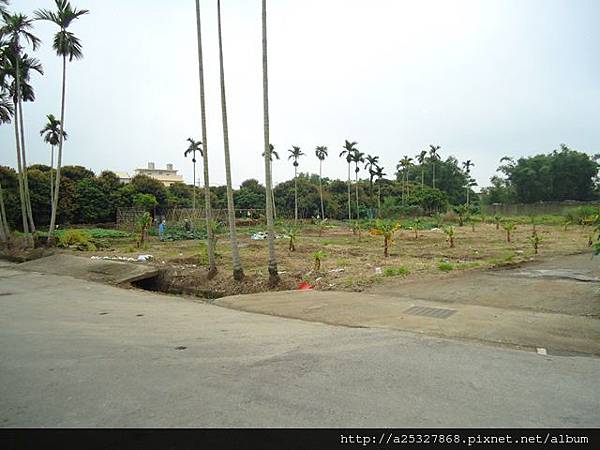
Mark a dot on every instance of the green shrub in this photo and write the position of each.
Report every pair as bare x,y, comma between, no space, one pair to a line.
395,271
76,239
445,266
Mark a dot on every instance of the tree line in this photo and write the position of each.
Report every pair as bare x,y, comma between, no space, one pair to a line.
563,174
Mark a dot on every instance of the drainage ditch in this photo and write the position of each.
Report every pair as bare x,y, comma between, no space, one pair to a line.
164,282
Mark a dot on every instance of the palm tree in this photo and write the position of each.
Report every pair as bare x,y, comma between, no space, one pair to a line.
273,273
403,165
272,153
51,133
379,174
371,164
210,238
15,28
321,153
66,44
6,113
238,272
467,166
421,159
195,146
349,149
433,156
357,157
295,154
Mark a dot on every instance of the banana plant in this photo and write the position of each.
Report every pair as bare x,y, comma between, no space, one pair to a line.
509,227
387,229
497,221
417,226
535,240
292,233
449,236
318,257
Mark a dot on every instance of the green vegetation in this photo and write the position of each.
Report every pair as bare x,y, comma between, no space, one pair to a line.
445,266
395,271
318,257
76,239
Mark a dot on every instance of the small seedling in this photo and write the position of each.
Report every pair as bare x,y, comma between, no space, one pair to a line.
445,266
497,221
449,235
318,256
386,229
416,226
508,227
535,240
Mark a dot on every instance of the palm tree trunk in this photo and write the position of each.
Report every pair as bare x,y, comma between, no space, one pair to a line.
194,183
433,175
349,195
356,189
295,195
238,272
422,177
51,177
273,274
59,158
210,239
321,188
273,193
20,169
25,179
379,200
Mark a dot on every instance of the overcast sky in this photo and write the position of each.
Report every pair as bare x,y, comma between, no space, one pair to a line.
483,79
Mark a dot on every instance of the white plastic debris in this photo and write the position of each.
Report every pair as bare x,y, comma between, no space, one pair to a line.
259,236
378,270
341,269
145,257
541,351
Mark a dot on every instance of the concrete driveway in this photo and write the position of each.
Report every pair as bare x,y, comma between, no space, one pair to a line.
78,353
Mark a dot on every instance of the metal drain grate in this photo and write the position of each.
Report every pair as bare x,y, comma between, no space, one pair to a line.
437,313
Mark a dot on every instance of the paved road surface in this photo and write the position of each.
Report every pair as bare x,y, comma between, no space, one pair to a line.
76,353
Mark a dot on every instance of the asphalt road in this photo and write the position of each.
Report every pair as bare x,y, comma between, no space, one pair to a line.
77,353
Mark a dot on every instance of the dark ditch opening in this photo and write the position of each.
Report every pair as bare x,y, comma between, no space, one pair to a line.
163,282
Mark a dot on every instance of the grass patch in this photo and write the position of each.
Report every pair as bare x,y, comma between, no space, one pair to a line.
395,271
445,266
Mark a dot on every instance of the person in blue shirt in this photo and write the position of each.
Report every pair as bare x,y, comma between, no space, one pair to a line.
161,230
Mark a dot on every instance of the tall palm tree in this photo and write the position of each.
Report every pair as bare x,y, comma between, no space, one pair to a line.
6,113
51,134
467,166
321,153
238,272
210,239
379,174
273,273
433,156
15,28
295,154
195,146
403,166
371,164
357,158
66,45
272,153
421,157
349,149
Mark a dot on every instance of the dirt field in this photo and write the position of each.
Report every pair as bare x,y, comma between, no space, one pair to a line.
351,263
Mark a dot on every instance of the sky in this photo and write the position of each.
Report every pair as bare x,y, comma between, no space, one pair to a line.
482,79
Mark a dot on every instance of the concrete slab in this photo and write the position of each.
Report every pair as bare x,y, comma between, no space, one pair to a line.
105,271
501,326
